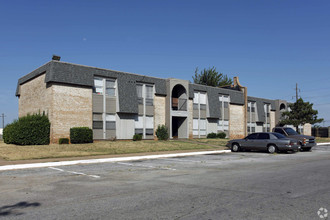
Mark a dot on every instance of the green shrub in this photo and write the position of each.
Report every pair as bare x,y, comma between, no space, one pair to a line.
161,132
137,137
81,135
211,135
63,141
28,130
221,135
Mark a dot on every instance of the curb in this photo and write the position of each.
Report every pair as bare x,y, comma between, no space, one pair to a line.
105,160
320,144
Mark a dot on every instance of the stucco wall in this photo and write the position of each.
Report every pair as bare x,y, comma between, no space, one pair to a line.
159,111
72,107
236,123
35,97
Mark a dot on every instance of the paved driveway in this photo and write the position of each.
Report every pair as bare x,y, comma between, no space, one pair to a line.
245,185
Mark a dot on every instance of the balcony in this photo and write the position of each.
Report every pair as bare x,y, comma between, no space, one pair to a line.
179,104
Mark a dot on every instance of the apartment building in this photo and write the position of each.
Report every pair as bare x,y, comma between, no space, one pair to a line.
119,104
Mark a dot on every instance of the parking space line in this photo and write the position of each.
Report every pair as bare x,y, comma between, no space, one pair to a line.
73,172
150,167
193,161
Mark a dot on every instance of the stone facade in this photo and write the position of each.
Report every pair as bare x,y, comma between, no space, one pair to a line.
66,106
237,125
272,120
307,129
71,107
159,112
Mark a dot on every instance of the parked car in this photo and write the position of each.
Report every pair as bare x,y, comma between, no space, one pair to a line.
264,141
306,142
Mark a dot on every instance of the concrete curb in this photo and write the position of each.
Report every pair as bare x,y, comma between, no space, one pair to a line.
105,160
319,144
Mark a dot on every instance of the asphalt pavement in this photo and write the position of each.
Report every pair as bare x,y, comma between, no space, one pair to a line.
244,185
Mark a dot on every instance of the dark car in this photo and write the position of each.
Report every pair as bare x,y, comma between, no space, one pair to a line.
306,142
264,141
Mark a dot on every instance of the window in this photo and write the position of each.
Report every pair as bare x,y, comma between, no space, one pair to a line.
277,136
278,130
138,124
252,136
195,126
202,98
139,93
149,92
202,126
145,92
149,95
263,136
149,125
110,87
223,122
110,122
97,121
196,98
98,86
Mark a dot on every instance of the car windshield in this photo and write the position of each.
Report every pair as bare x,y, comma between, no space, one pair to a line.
279,136
290,131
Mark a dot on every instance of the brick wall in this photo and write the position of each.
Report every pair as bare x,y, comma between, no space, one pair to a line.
159,112
71,107
35,97
307,129
66,106
237,123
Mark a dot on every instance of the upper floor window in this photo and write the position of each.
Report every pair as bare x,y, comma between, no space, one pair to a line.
200,99
98,86
145,92
104,86
111,87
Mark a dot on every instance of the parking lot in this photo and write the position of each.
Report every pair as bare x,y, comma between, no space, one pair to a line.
244,185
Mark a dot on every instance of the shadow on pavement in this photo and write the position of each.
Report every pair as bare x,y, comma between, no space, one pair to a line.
15,209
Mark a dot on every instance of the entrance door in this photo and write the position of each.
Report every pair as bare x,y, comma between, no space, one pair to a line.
179,127
175,128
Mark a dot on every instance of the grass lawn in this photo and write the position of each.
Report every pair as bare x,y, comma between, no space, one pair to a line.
322,140
15,152
213,141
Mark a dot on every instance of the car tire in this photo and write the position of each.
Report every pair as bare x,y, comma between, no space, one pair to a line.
235,147
271,149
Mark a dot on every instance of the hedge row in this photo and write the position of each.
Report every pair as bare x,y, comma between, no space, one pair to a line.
218,135
28,130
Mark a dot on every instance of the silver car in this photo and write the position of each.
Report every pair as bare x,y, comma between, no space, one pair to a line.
264,141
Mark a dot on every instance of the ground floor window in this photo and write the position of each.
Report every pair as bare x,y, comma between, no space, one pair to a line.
199,127
223,125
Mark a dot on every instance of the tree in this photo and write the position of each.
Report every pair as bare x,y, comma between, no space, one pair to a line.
300,114
211,77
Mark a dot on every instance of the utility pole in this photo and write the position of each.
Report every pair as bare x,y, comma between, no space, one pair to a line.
3,120
296,92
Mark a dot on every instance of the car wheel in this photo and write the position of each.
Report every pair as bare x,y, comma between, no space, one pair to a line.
235,147
271,149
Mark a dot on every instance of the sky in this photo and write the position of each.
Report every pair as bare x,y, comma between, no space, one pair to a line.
269,45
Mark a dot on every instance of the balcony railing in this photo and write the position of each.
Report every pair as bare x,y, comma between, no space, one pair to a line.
179,104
